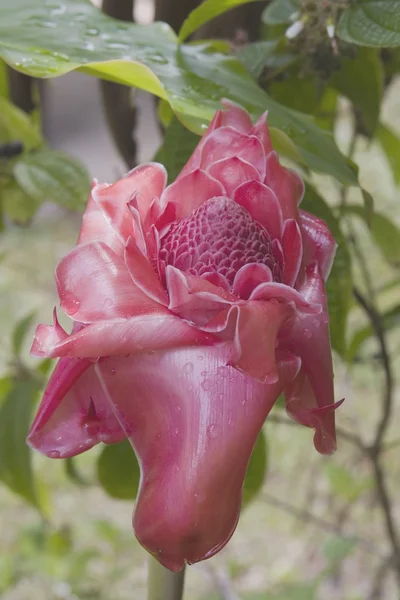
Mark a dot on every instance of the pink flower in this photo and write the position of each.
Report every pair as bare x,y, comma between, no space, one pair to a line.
194,306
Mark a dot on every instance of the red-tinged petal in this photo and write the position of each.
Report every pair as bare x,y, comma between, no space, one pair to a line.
249,277
47,336
232,172
94,284
235,116
261,202
74,414
187,194
302,406
284,293
143,275
142,184
260,130
292,246
227,142
319,243
287,185
142,333
194,298
194,161
193,427
257,328
96,228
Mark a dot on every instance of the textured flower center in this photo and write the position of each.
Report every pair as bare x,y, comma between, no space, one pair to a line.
220,237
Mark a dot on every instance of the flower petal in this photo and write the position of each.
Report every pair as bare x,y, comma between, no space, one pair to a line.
143,275
194,161
232,172
260,130
74,414
226,142
292,246
261,202
193,428
287,185
319,243
249,277
94,284
235,116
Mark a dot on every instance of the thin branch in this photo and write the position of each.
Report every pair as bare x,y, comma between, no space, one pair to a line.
222,583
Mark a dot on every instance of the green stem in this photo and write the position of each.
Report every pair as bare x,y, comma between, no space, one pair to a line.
164,584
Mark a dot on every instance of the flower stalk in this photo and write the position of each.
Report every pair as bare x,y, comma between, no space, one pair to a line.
163,584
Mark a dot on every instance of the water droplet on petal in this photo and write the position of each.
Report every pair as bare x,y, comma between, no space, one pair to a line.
108,302
188,368
113,371
213,430
54,454
203,373
307,334
206,385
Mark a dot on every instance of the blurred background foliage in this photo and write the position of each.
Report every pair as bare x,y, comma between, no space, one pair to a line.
328,72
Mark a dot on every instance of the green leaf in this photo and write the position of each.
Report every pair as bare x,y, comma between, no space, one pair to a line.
371,23
54,176
360,79
17,204
118,471
390,144
20,331
16,125
264,55
15,457
390,320
176,149
209,9
73,473
337,548
3,80
384,232
256,471
45,42
306,98
279,12
343,483
339,284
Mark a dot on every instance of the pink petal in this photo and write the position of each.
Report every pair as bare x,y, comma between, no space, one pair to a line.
235,116
284,293
292,246
260,201
94,284
193,422
249,277
260,130
142,333
232,172
47,336
319,243
227,142
96,228
189,192
143,274
194,161
257,328
74,414
287,185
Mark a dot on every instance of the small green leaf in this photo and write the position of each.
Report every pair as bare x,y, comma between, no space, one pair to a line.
390,144
340,283
384,232
54,176
209,9
20,331
16,125
17,204
264,55
337,548
280,12
118,471
15,457
343,483
390,320
371,23
360,79
257,470
176,149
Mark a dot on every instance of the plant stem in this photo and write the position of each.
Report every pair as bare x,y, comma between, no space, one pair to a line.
164,584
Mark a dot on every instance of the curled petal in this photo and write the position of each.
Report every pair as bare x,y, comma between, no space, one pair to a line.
284,293
287,185
193,428
227,142
142,333
232,172
261,202
74,414
94,284
235,116
292,247
260,130
143,274
319,243
249,277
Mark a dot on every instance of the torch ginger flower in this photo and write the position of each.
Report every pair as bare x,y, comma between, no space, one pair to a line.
195,306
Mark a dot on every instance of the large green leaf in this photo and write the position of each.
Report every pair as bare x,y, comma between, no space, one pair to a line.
205,12
49,39
54,176
269,54
118,471
360,79
177,147
279,12
371,23
384,232
15,457
3,80
257,470
339,284
390,143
